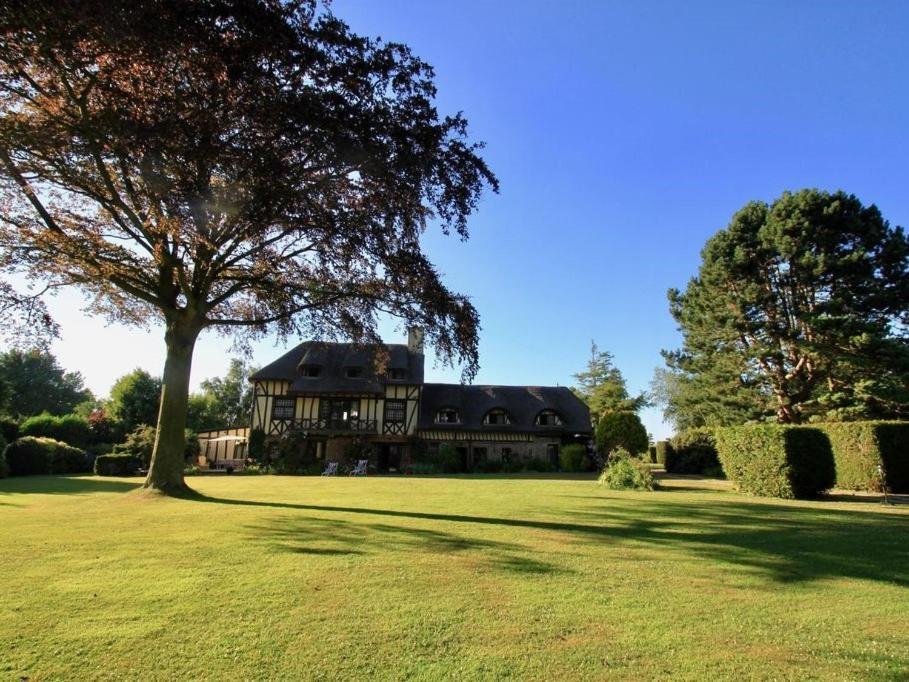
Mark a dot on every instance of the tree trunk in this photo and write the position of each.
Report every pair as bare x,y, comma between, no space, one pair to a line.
165,474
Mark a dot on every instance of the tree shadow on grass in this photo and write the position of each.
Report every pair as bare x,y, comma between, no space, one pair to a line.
65,485
787,543
339,537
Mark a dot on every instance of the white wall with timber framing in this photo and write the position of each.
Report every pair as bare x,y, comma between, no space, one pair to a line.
307,408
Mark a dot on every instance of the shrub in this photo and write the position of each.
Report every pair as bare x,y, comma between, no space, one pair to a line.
31,456
295,456
692,451
543,466
571,457
859,448
256,446
661,450
621,430
777,461
118,464
445,460
624,472
651,454
4,469
68,429
9,428
139,443
103,428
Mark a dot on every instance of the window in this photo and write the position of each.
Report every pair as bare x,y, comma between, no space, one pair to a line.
496,417
447,415
549,418
339,410
353,372
310,371
283,408
397,374
395,411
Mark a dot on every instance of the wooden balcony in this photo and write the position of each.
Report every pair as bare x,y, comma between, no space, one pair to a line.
328,426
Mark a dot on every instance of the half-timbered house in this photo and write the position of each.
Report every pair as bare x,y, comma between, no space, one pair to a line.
333,393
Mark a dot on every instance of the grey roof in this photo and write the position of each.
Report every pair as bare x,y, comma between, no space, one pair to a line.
523,404
333,359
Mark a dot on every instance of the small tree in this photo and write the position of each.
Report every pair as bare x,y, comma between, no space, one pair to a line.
621,430
230,165
602,387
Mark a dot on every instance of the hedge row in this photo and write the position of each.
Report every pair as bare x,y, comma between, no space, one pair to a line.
30,456
661,450
117,465
777,461
68,429
692,451
869,453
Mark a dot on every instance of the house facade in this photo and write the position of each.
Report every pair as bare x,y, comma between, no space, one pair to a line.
332,393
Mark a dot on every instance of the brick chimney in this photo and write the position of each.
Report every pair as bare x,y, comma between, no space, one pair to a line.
415,340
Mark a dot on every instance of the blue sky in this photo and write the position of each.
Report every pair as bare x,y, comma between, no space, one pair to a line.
624,135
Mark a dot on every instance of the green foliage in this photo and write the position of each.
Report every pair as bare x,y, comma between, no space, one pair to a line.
692,451
118,464
295,455
602,387
651,454
35,383
4,467
793,316
772,460
624,472
621,430
9,428
202,413
862,449
571,457
230,397
661,451
139,443
134,399
69,429
256,445
445,460
29,456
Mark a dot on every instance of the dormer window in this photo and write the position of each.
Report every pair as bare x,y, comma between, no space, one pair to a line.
353,372
397,374
311,371
448,415
549,418
496,417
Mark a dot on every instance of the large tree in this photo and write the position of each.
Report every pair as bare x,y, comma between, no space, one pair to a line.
798,311
241,165
34,382
602,387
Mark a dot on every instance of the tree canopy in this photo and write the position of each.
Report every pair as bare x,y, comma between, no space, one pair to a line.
799,311
242,165
32,382
602,387
135,399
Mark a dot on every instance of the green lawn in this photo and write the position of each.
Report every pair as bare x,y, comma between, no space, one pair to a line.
425,578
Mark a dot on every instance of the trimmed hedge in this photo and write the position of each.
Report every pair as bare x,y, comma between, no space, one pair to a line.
30,456
69,429
772,460
116,465
692,451
621,430
661,450
859,448
571,457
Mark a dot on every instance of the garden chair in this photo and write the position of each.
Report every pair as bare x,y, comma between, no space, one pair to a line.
331,469
360,469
